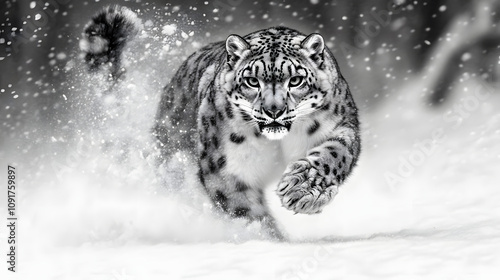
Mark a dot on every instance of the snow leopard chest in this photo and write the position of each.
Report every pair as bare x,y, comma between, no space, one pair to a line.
259,161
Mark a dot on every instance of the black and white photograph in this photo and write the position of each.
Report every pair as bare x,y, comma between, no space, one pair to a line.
231,139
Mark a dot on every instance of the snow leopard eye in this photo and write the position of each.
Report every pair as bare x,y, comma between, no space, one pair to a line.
295,81
252,82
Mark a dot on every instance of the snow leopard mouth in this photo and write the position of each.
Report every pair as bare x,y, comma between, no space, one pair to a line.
275,130
275,125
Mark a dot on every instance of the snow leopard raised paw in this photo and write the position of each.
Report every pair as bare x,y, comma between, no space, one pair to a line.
303,189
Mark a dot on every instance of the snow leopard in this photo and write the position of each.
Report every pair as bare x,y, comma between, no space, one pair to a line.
267,108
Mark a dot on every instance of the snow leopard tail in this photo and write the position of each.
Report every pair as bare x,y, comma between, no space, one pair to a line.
105,37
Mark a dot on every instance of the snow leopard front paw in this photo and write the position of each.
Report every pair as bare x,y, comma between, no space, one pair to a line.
303,189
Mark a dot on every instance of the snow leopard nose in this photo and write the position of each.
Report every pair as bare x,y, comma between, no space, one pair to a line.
273,103
274,112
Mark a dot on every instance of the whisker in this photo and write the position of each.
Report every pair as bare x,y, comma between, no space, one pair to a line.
246,107
249,106
305,113
305,104
244,111
251,122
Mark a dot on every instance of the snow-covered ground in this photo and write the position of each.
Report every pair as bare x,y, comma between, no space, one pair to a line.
423,202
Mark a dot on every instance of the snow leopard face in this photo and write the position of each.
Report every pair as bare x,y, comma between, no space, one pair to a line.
276,79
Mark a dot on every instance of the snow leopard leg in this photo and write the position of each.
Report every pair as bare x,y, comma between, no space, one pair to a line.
239,200
311,183
174,152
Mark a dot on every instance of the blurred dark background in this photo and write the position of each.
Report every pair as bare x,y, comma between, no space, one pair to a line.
379,44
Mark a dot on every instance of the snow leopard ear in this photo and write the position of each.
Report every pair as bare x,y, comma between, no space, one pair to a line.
314,45
235,46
